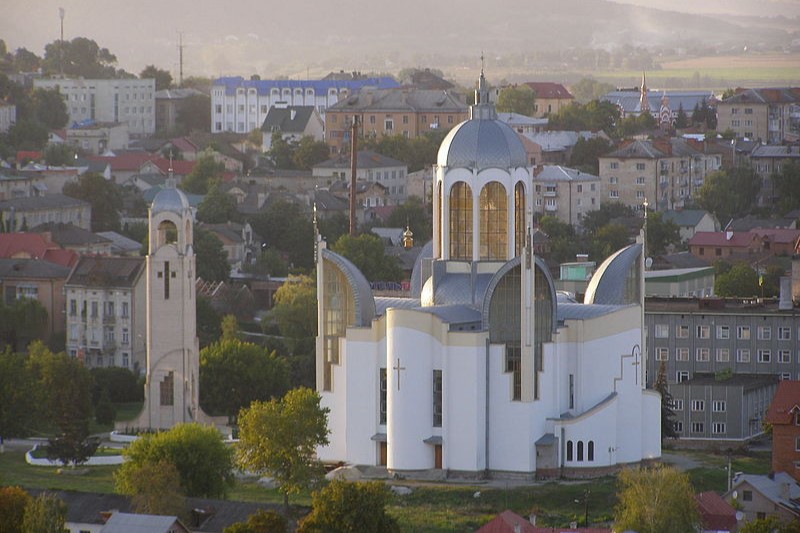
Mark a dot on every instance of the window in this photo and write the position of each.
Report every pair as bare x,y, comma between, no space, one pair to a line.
437,398
723,355
784,334
718,428
94,309
125,313
785,356
743,332
461,221
493,213
764,356
678,426
662,354
747,495
166,389
640,180
388,124
718,406
613,194
682,332
613,165
590,451
797,444
126,336
702,355
572,391
703,332
743,355
514,365
723,332
698,406
612,180
125,359
382,407
677,404
783,376
639,166
580,450
698,427
681,376
764,333
569,450
662,331
73,307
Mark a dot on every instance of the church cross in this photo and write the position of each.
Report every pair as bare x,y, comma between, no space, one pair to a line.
397,368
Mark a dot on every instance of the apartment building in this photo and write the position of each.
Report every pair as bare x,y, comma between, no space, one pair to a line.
106,312
565,193
767,160
771,115
37,279
27,212
371,167
241,105
130,101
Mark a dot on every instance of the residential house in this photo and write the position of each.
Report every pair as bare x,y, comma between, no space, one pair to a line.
370,167
169,103
771,115
554,147
292,123
768,160
523,123
565,193
690,221
71,237
22,245
550,97
120,522
106,312
757,497
21,213
406,112
327,205
97,138
716,515
128,100
368,193
123,164
8,116
750,222
784,416
752,245
121,245
241,106
420,184
51,180
425,79
511,522
37,279
14,185
228,298
241,244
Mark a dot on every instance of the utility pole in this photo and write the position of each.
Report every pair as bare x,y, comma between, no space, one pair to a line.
353,169
61,43
180,59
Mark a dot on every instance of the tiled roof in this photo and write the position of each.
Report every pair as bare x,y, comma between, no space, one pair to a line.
549,89
505,522
781,95
740,239
69,234
684,217
34,203
364,159
127,161
120,243
292,119
774,489
107,271
776,152
559,173
183,144
785,403
414,101
34,246
637,150
31,269
715,513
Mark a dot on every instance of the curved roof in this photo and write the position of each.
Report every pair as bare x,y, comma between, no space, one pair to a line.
170,200
482,143
609,283
417,274
362,293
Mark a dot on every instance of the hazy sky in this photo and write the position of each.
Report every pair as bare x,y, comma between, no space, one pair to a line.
265,36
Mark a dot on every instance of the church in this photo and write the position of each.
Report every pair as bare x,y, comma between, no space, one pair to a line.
485,368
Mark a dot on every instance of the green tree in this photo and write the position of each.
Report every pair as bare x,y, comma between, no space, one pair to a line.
18,396
740,280
260,522
594,220
194,114
27,134
517,99
211,259
281,151
342,507
197,452
13,501
120,384
634,125
660,233
310,152
729,193
564,243
594,115
233,374
366,252
284,227
208,322
269,263
787,185
608,239
21,322
667,414
46,513
295,311
104,196
655,500
205,170
280,438
80,57
230,328
682,120
417,215
217,207
59,154
48,108
162,77
155,488
586,154
588,89
26,61
769,524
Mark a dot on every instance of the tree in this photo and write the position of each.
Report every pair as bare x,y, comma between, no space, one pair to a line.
655,500
46,513
18,396
634,125
104,196
594,220
204,171
587,152
26,61
660,233
269,263
211,259
233,374
594,116
564,243
80,57
197,452
417,215
48,108
787,185
284,227
608,239
260,522
295,311
59,154
155,488
162,77
366,252
667,414
217,207
208,322
681,121
342,507
588,89
517,99
120,384
310,152
769,524
13,501
194,114
280,437
230,328
27,134
21,322
740,280
729,193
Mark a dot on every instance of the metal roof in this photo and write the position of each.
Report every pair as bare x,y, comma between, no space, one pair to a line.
480,144
420,274
169,200
609,281
263,87
362,293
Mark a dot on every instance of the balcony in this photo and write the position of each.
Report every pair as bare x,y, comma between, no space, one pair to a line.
109,319
550,207
550,194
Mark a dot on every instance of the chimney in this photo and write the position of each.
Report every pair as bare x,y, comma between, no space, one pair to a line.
532,519
785,302
729,235
517,528
292,114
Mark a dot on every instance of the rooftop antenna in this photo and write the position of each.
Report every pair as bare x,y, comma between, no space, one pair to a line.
61,14
180,59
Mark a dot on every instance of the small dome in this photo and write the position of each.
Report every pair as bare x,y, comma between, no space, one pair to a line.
171,200
481,144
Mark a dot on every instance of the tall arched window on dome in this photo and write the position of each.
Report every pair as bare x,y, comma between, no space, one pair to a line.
461,221
519,218
437,243
494,222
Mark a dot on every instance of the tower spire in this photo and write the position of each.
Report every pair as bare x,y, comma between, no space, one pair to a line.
644,103
482,108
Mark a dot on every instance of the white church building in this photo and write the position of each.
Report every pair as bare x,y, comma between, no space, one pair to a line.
485,368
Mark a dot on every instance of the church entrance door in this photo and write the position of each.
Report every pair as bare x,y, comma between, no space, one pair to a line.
437,456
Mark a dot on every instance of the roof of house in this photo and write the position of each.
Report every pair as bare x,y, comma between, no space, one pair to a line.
120,522
94,271
425,79
362,186
630,102
785,404
124,161
364,159
715,513
179,167
120,244
31,269
327,202
35,246
776,152
65,234
183,144
778,95
735,239
684,217
559,173
409,100
230,231
750,222
780,488
516,119
778,235
36,203
505,522
637,150
549,89
291,119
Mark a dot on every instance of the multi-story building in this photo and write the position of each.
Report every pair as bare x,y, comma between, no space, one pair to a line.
128,100
784,415
550,97
739,342
565,193
8,116
37,279
106,312
98,137
406,112
767,160
169,102
370,167
769,115
667,173
28,212
241,105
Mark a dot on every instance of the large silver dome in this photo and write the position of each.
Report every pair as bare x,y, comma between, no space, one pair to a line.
171,200
481,144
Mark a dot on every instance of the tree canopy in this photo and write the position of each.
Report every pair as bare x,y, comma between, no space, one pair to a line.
295,309
13,501
594,115
283,226
417,215
80,57
519,99
740,280
729,193
217,207
367,253
655,500
162,78
787,185
343,507
104,196
212,260
205,171
660,233
586,154
44,514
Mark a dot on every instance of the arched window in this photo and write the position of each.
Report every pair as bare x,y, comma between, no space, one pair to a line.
167,233
519,218
494,221
437,244
461,221
569,450
590,451
339,312
580,450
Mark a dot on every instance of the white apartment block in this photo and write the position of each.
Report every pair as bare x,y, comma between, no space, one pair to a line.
130,101
240,105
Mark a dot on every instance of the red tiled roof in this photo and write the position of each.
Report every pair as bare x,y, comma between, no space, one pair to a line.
505,522
179,167
28,154
715,513
549,89
183,144
739,239
34,246
782,235
130,161
785,403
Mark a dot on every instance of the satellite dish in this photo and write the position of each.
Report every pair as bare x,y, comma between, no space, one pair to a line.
739,516
735,494
648,262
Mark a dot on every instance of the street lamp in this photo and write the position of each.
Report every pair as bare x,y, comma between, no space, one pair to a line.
585,507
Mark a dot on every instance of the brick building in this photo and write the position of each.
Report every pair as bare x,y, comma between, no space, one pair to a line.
784,415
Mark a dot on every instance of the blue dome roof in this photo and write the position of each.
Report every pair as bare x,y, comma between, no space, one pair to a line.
481,144
171,200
